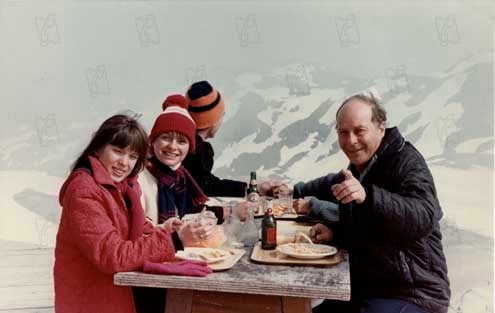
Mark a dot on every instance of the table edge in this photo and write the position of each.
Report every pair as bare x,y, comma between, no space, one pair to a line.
342,292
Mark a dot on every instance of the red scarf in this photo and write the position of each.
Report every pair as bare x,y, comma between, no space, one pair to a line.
176,189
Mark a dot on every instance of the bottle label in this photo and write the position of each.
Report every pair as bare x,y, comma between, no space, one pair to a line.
271,235
253,197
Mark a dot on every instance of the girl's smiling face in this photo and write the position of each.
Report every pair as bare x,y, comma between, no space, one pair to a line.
171,148
119,162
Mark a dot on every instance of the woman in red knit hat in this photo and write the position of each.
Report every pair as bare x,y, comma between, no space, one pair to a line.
102,229
169,190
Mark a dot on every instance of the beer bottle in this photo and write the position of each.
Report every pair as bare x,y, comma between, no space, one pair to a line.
252,192
268,231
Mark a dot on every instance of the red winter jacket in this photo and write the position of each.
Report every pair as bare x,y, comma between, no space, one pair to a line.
93,243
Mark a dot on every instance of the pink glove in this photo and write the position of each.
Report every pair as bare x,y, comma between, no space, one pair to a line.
184,268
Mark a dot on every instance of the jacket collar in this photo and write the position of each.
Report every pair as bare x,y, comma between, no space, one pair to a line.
99,172
94,168
392,142
199,139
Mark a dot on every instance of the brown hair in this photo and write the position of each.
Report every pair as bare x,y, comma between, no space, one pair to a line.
119,130
174,134
378,113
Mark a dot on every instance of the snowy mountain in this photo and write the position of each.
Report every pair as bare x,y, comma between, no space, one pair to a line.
445,116
282,125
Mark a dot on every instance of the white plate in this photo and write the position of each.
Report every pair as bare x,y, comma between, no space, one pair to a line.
306,250
209,255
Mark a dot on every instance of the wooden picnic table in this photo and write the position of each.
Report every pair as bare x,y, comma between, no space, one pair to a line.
250,287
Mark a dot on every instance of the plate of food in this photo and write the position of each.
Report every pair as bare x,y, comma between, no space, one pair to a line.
306,251
209,255
280,210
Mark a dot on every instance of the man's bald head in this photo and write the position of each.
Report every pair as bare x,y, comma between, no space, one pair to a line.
378,113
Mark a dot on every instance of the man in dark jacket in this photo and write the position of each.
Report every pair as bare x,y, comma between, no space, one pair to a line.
207,108
389,217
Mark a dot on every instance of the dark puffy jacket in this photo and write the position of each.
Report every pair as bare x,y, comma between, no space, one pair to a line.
200,166
393,237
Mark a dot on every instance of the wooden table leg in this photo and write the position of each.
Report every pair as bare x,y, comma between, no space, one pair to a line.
296,305
189,301
179,301
225,302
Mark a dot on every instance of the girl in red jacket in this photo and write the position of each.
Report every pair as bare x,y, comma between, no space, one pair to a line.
102,229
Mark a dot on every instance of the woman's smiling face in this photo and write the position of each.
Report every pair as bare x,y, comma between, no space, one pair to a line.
171,148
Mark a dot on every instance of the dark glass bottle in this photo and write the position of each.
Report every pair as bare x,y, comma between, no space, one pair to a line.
268,231
252,191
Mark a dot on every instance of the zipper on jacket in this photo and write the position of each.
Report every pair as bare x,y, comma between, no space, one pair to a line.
404,267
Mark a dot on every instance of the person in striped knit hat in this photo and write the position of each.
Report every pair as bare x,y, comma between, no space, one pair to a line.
207,108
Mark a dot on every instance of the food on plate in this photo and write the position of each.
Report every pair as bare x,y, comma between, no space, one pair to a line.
204,254
304,248
298,237
281,209
283,239
302,237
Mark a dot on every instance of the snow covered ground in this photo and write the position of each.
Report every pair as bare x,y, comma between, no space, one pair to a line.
30,213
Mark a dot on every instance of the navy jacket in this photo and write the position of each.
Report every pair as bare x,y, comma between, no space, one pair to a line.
200,166
393,237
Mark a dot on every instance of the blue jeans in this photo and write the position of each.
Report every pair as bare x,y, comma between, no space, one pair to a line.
369,306
390,306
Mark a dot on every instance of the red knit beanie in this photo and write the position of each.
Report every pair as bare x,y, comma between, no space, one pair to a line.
206,106
175,118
